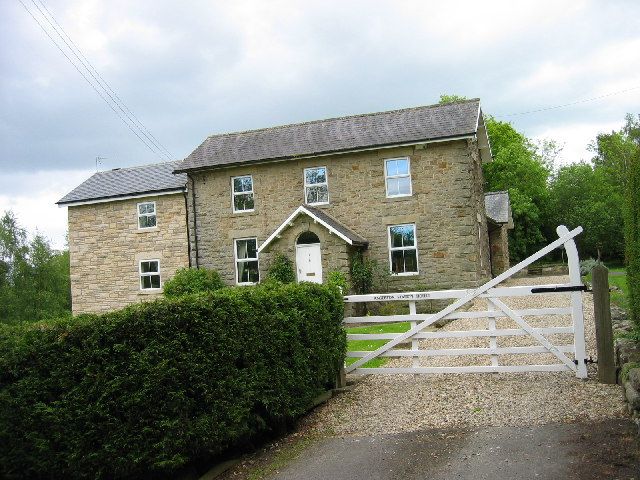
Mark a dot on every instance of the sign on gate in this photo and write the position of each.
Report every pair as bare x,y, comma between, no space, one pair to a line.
570,357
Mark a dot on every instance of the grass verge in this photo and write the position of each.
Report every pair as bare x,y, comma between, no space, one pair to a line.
370,345
617,278
282,458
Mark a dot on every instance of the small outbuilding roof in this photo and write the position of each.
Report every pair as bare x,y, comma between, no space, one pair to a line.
330,223
343,134
498,207
127,182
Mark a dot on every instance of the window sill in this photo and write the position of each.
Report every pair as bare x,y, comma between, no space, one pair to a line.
150,291
316,204
395,197
407,274
246,284
147,230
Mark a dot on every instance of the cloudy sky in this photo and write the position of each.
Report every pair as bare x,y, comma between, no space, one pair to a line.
190,69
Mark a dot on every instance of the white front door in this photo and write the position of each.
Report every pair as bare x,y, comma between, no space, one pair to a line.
309,263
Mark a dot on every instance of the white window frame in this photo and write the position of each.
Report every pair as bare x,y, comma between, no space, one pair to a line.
236,259
414,247
234,194
404,175
307,185
140,215
149,274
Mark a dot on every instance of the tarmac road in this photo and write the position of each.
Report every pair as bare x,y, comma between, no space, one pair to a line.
604,450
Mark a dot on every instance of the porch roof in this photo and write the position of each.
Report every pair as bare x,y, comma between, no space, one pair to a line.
498,208
324,219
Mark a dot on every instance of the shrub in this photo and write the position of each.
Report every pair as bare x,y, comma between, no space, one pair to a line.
192,280
338,279
143,391
366,274
587,265
282,270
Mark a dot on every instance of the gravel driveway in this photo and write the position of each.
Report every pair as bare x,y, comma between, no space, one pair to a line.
384,404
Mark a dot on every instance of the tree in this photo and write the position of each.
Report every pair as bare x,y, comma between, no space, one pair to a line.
580,194
519,167
615,151
34,279
444,98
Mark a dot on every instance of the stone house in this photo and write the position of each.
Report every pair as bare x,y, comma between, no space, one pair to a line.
127,233
403,187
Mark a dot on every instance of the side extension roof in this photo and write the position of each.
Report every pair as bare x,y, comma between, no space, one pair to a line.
127,182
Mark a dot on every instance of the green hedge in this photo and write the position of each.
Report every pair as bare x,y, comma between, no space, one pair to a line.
192,280
143,391
632,235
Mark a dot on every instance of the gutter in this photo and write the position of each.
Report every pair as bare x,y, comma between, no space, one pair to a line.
116,198
323,154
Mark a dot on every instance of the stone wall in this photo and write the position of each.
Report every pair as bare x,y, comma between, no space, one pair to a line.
447,206
106,246
499,244
627,356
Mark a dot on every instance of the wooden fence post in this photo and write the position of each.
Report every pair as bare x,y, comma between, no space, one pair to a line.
341,378
604,330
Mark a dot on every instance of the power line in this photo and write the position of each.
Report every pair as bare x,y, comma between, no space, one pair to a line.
155,150
570,104
101,81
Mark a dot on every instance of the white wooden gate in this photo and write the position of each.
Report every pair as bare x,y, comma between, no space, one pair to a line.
570,357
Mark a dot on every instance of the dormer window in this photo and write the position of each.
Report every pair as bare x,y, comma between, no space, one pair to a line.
146,215
316,187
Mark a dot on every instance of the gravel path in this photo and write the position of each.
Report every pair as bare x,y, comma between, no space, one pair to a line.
383,404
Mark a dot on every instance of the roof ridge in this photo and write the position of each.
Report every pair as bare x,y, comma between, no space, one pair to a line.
497,191
116,169
359,115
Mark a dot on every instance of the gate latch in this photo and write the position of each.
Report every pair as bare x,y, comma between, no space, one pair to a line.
587,361
571,288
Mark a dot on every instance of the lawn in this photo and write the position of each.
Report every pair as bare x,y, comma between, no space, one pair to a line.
369,345
617,278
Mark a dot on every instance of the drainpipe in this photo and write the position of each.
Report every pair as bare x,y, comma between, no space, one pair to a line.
195,218
186,211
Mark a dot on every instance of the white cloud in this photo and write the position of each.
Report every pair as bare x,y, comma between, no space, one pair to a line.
576,138
32,196
594,74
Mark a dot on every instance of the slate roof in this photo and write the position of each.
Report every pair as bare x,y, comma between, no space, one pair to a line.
498,206
336,135
122,182
336,225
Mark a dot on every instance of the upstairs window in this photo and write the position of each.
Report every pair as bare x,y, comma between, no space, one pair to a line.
397,177
242,193
403,249
149,274
316,188
146,215
246,253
